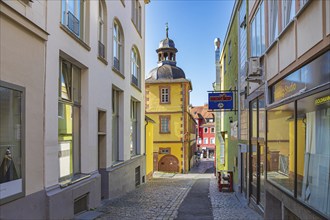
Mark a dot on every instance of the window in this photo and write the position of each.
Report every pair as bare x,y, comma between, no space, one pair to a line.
115,124
135,67
229,51
288,11
205,130
273,20
134,127
224,64
11,142
302,3
164,124
212,130
258,32
206,140
73,16
69,120
102,29
118,58
280,144
164,95
199,140
136,14
313,151
212,140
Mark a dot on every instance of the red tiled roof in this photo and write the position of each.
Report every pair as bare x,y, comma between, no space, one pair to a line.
202,110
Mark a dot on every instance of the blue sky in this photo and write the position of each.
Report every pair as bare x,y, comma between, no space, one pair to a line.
193,25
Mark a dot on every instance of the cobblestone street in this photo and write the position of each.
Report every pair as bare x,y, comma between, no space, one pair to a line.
161,198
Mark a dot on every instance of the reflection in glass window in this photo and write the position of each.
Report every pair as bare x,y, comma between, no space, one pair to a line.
313,154
134,128
10,142
115,125
273,20
258,32
280,143
69,120
288,11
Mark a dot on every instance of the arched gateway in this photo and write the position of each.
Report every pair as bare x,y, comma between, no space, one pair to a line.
168,163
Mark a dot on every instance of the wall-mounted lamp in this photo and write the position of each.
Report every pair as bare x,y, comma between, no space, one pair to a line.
231,119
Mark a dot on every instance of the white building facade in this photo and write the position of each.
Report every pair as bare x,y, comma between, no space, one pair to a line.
92,109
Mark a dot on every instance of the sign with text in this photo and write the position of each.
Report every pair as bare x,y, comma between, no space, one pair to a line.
221,100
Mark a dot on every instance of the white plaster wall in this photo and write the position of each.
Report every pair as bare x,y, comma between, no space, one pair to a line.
287,49
97,81
272,62
36,11
309,27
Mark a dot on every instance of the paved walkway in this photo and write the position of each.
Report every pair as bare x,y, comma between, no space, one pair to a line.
164,198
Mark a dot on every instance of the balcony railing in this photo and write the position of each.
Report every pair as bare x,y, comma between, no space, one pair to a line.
135,81
73,24
116,63
101,50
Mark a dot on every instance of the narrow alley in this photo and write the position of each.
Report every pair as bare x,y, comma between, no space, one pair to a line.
176,196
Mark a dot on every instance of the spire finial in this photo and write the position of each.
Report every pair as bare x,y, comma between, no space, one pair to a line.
166,25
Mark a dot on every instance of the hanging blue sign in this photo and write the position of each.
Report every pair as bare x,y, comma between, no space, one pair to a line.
221,100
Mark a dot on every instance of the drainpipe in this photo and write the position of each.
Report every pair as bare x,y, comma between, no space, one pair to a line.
183,133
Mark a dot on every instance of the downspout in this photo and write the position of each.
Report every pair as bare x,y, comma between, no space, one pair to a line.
183,133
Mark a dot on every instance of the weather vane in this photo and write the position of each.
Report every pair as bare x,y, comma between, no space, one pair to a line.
166,25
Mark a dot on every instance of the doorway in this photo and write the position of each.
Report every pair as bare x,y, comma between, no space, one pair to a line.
257,150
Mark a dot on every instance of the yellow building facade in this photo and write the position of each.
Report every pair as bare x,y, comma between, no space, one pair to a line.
167,103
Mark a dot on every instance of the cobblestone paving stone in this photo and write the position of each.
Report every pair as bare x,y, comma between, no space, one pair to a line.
227,205
160,198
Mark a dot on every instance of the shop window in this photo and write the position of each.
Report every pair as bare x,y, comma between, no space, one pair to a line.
313,151
11,141
281,144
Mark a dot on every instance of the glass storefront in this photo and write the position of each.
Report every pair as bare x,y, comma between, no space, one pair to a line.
298,135
11,140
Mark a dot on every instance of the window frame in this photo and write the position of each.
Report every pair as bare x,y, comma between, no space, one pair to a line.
258,32
118,48
19,193
134,116
205,130
161,94
135,67
74,101
78,13
168,119
102,30
115,126
136,15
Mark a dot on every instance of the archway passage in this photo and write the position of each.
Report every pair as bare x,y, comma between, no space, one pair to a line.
169,163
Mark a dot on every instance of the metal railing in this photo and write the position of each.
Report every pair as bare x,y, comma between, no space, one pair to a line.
73,24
